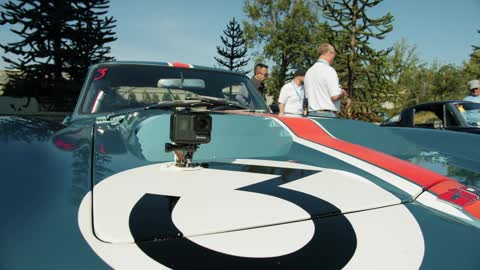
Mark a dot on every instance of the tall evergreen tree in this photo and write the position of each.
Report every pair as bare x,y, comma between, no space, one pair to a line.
233,53
351,16
472,67
288,31
91,31
58,40
476,48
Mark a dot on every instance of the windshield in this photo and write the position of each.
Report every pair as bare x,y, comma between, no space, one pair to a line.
117,87
470,112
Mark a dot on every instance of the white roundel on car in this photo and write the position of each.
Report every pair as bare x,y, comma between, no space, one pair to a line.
214,212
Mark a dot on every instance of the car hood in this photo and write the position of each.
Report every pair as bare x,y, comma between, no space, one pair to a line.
256,172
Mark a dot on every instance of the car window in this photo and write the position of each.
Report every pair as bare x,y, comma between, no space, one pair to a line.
470,112
117,87
395,118
425,119
451,119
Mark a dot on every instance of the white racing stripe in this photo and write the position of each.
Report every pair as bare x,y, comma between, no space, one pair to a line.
387,238
117,256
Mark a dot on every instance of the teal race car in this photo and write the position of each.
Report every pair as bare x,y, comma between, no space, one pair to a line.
170,165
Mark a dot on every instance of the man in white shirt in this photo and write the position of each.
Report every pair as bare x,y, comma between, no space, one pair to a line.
292,95
322,87
474,86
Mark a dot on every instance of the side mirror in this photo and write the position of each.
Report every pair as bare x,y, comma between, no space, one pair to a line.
437,124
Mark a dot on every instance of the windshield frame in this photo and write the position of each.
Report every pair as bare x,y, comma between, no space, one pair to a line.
256,100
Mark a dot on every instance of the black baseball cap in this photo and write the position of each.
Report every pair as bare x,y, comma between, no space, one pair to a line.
299,72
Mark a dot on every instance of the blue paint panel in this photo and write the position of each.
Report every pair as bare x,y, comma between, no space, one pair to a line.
233,137
42,186
449,243
371,136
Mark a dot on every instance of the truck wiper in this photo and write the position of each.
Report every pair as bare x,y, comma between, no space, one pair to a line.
218,101
177,103
197,101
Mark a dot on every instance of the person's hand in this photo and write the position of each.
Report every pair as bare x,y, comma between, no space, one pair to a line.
344,93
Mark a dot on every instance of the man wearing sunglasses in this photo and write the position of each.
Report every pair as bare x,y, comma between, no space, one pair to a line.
474,86
260,75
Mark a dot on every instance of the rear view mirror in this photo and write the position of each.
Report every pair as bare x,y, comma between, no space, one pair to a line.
181,83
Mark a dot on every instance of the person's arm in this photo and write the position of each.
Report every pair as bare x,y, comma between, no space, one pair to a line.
282,100
281,108
337,97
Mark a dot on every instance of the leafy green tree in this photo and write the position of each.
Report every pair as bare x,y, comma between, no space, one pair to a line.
416,86
449,83
58,40
286,30
472,67
403,64
233,53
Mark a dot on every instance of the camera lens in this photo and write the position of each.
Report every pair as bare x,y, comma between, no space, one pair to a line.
202,123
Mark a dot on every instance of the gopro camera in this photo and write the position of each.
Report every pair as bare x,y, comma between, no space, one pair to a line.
190,128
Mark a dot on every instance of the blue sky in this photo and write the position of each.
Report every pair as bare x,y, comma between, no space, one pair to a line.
189,31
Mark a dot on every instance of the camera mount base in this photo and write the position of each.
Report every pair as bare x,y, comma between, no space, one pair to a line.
183,154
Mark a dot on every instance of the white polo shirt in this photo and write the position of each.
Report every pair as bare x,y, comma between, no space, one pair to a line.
321,83
292,96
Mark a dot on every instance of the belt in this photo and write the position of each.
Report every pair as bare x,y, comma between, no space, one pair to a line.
335,112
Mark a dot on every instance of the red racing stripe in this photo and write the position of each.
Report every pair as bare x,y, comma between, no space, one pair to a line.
473,209
438,184
308,130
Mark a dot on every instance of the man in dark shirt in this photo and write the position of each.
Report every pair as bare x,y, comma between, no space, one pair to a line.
259,77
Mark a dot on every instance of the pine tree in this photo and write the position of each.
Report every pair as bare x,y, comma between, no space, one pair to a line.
91,31
476,48
58,40
365,71
234,50
350,16
472,67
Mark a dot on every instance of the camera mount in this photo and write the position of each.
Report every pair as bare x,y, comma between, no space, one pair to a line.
183,154
188,129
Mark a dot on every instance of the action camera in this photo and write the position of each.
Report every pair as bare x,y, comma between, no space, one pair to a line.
190,127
